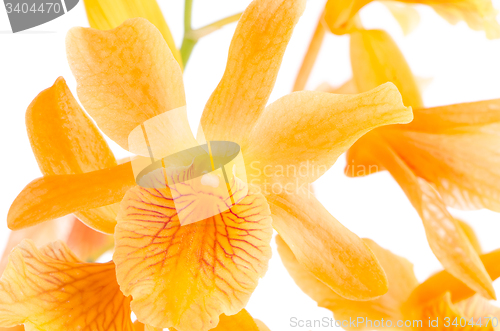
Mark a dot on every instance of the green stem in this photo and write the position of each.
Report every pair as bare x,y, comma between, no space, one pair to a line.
191,36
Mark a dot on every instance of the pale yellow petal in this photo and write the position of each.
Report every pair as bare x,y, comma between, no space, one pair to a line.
108,14
125,76
327,249
50,289
300,136
401,280
254,59
186,276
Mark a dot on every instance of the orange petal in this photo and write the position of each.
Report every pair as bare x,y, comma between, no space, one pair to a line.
461,163
303,134
444,234
125,75
376,59
360,161
40,234
186,276
51,197
50,289
254,59
471,235
401,280
478,14
442,282
108,14
462,316
327,249
443,118
65,141
63,138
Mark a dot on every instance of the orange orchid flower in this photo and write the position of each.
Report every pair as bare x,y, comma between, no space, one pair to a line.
186,276
445,157
442,302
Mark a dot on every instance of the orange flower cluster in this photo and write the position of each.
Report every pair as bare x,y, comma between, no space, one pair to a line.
199,274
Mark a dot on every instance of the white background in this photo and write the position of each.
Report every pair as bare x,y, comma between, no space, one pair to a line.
463,64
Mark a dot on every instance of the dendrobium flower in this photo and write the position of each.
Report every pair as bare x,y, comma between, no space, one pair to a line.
186,276
442,300
447,156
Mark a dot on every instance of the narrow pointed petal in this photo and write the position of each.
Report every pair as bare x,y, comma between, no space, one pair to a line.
360,161
186,276
254,58
325,248
444,158
376,59
108,14
444,234
66,141
401,280
125,76
308,131
442,282
444,118
471,235
50,289
50,197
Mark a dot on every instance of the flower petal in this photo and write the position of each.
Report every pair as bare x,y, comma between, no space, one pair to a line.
376,59
50,289
478,14
401,280
406,15
40,234
444,234
442,282
441,119
327,249
456,315
51,197
125,76
186,276
471,235
254,59
305,132
462,163
63,138
65,141
108,14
